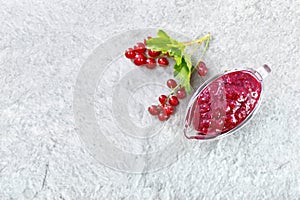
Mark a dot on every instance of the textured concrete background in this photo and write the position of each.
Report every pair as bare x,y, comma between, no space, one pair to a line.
43,45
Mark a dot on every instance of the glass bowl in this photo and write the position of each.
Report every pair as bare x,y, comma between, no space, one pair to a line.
224,103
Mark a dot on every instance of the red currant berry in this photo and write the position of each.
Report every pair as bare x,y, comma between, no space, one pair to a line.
205,123
150,63
163,62
169,109
153,110
162,99
140,47
171,83
202,70
140,59
153,54
181,94
173,101
130,53
162,116
204,108
240,114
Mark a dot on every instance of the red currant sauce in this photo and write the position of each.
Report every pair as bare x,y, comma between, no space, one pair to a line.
225,103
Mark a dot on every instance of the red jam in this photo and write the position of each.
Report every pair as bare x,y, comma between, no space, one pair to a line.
226,102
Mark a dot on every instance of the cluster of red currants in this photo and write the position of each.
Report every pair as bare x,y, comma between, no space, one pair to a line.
168,103
141,56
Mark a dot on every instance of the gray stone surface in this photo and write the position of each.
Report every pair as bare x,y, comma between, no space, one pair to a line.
43,45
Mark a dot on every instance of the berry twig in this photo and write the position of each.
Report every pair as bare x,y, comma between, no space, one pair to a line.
200,40
157,50
168,102
200,66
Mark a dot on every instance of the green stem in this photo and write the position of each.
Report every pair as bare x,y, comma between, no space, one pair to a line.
174,89
200,40
203,53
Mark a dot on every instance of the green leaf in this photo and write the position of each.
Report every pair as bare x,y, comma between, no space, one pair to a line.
178,59
164,43
188,60
183,66
183,71
162,34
